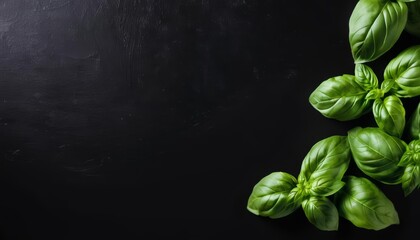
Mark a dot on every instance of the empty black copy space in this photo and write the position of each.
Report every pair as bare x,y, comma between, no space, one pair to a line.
154,119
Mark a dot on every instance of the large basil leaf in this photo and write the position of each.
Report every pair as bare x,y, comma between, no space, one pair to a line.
270,196
390,115
414,123
411,161
374,27
413,18
324,166
362,203
404,69
377,153
321,212
340,98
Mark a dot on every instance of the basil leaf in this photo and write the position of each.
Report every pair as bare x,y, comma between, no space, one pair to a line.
411,179
323,186
322,213
362,203
404,69
413,18
340,98
270,196
365,77
414,123
411,161
387,85
390,115
324,166
377,153
411,154
374,27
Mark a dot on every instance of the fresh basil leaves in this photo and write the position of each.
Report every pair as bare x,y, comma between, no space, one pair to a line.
323,189
279,194
377,153
362,203
348,97
374,27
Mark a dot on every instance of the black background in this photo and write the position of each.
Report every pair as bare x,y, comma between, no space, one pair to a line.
154,119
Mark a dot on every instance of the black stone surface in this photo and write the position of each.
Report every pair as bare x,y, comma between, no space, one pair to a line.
154,119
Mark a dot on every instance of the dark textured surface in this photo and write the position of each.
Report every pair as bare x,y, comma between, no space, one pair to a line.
154,119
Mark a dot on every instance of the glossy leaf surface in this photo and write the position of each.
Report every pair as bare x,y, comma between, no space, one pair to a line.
361,202
389,114
404,69
340,98
374,27
324,166
322,213
377,153
270,196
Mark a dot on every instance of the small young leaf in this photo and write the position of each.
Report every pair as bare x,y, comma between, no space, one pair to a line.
387,85
411,161
411,179
365,77
362,203
390,115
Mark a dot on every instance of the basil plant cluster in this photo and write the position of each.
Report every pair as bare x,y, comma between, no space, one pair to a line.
386,158
348,97
324,192
376,25
323,188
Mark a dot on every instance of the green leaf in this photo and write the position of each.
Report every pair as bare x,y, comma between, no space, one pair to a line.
374,27
377,153
375,94
413,18
387,85
270,196
362,203
322,213
411,154
411,179
340,98
323,186
404,69
414,123
365,77
390,115
324,166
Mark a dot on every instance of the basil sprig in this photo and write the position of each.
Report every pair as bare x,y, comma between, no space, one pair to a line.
349,97
279,194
